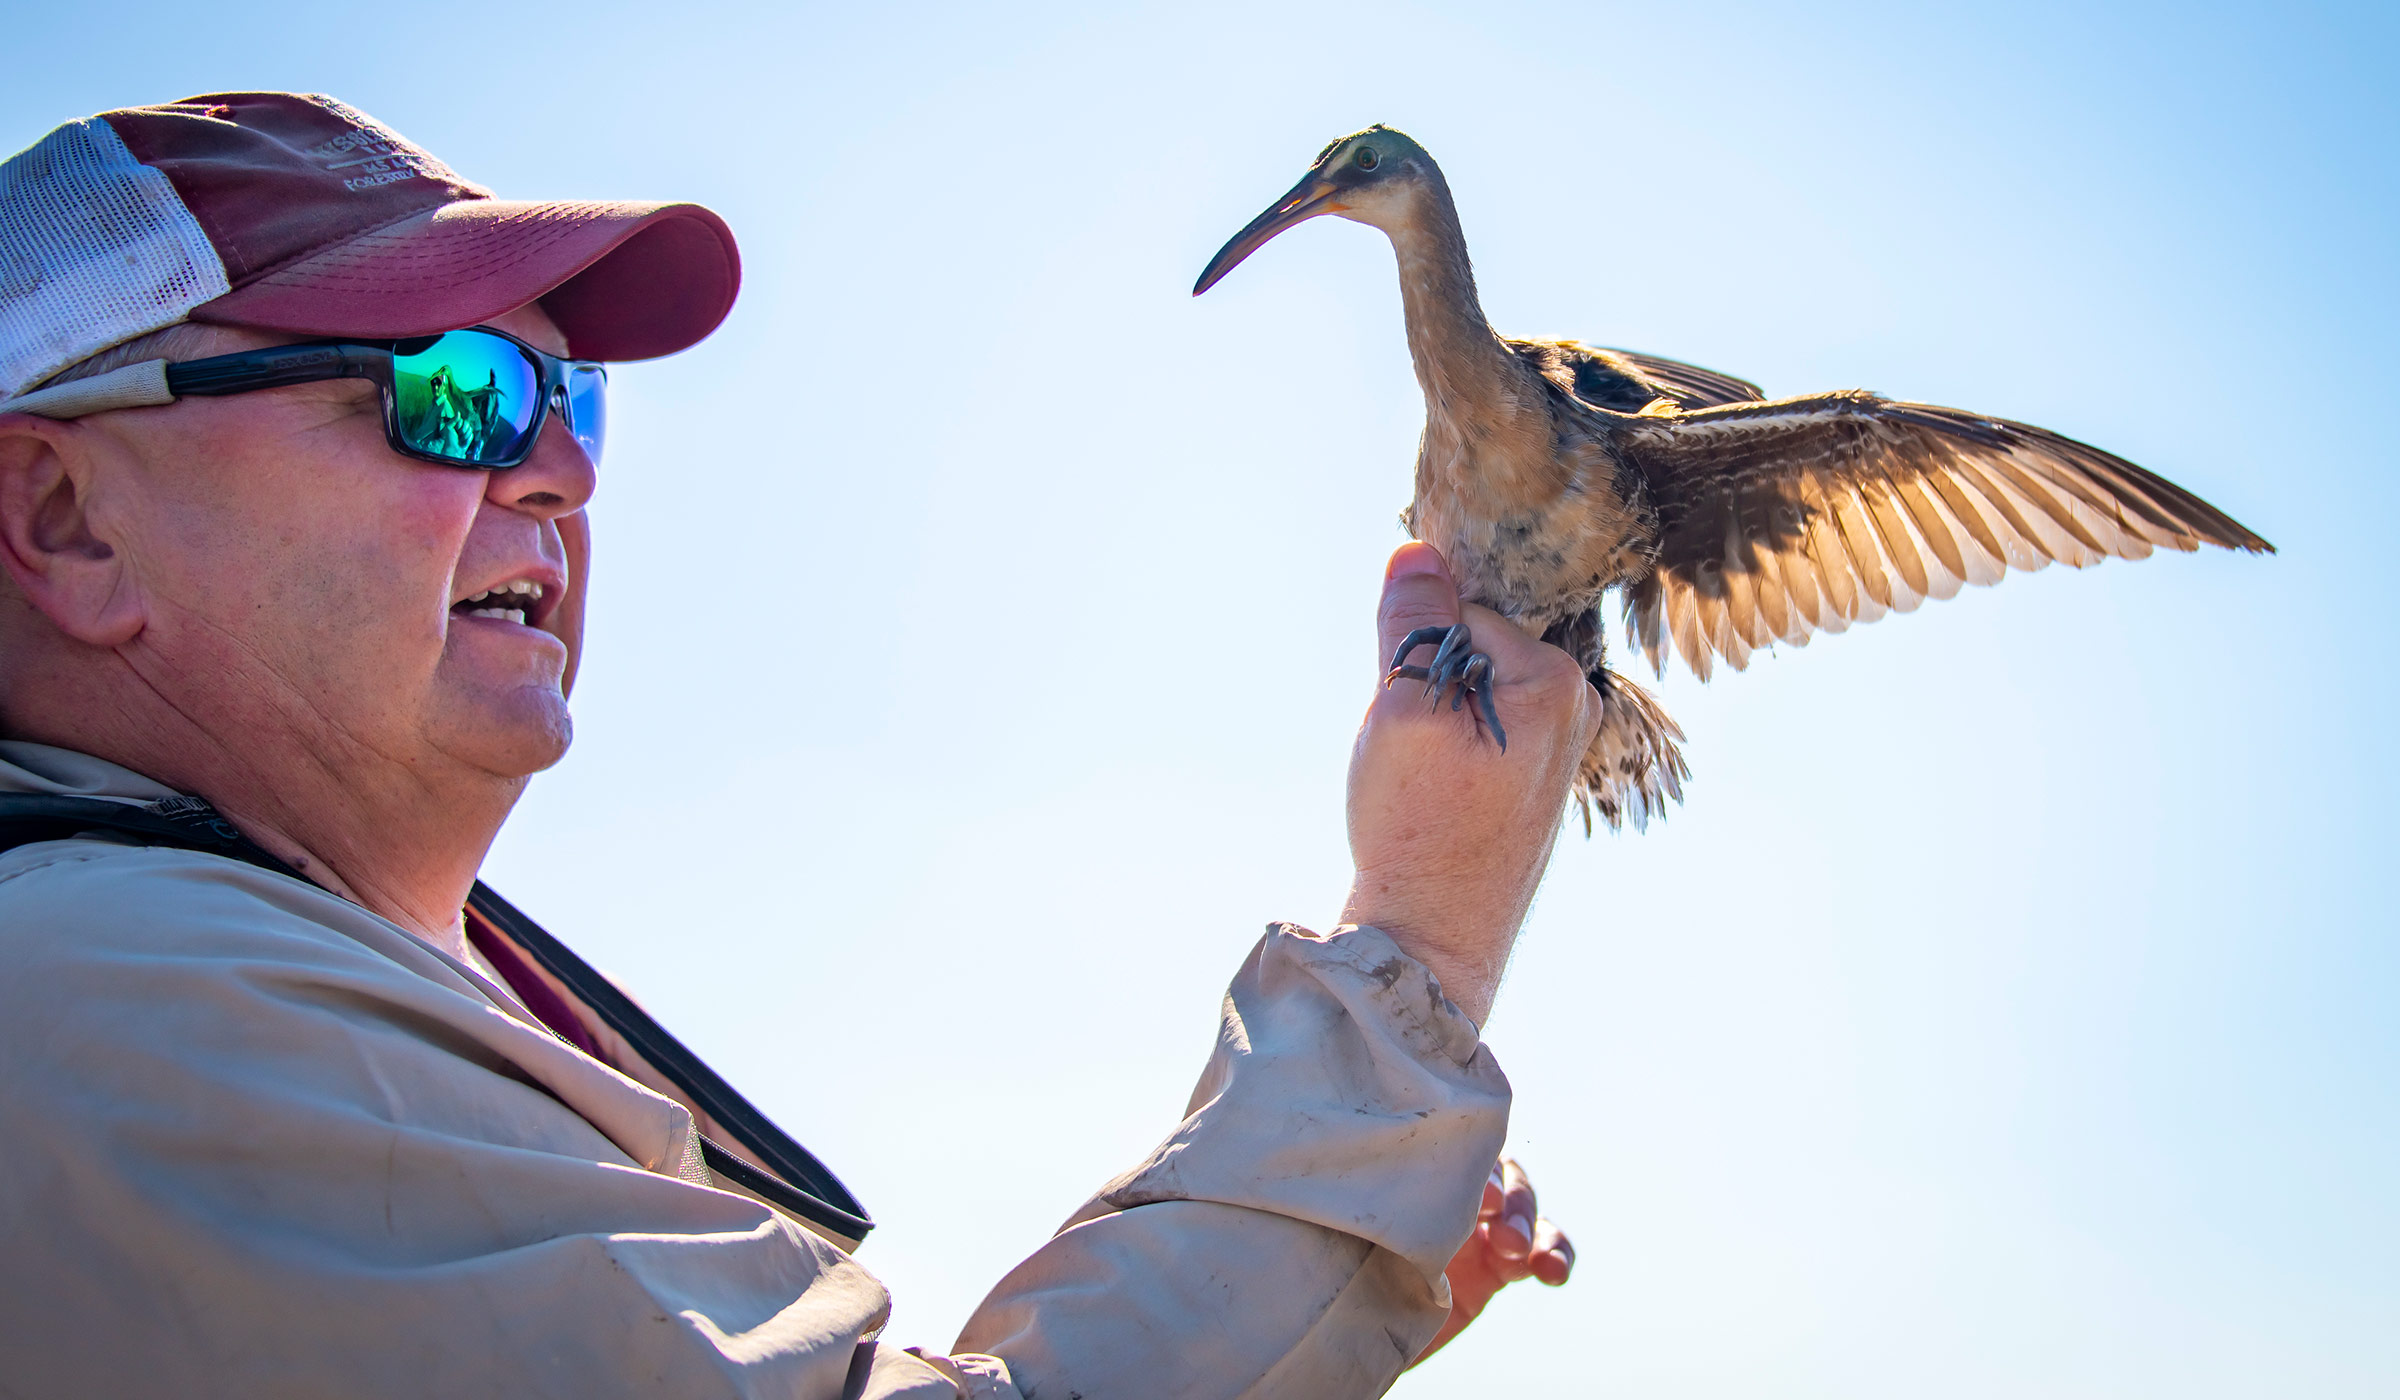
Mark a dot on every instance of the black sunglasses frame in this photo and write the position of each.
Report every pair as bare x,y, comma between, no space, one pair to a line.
311,362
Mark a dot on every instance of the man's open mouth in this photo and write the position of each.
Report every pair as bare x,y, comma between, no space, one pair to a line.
509,602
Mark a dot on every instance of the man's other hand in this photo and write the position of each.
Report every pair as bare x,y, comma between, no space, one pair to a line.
1448,834
1512,1240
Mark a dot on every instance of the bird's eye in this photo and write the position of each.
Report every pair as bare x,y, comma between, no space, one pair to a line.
1365,158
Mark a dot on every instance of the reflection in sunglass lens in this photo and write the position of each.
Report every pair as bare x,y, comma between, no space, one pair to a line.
466,397
587,408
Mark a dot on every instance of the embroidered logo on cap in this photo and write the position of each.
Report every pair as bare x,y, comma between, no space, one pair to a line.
376,157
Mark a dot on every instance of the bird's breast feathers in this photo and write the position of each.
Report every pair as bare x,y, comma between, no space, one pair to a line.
1536,563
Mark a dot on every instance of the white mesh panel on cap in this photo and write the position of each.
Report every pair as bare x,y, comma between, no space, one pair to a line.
95,248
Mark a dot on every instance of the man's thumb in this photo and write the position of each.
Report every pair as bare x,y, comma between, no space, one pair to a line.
1417,592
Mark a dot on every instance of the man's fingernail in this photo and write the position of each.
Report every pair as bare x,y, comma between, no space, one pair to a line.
1415,559
1523,1227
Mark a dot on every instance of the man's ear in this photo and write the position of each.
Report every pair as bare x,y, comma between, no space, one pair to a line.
49,545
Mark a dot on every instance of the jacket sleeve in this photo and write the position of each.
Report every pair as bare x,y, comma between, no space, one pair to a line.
263,1144
1289,1238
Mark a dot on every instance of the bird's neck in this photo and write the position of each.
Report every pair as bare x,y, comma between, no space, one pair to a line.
1452,343
1476,391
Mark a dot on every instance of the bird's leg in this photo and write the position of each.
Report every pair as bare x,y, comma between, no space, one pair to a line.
1465,674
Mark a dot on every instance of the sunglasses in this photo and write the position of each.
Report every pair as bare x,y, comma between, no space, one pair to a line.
469,398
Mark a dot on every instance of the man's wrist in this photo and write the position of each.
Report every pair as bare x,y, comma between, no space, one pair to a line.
1467,969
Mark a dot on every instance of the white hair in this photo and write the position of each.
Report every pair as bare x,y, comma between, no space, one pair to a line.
185,340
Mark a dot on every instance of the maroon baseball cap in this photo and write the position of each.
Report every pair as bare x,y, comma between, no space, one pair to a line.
328,222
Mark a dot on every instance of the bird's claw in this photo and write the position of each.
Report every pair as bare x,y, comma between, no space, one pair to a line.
1465,674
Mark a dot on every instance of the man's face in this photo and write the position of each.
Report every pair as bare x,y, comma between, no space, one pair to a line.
296,572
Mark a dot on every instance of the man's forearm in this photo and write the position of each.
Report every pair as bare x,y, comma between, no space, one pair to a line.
1289,1238
1449,832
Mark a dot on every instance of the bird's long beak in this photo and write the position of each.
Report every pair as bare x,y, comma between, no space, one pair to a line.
1311,197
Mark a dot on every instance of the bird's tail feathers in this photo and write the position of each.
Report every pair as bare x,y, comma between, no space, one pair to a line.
1635,763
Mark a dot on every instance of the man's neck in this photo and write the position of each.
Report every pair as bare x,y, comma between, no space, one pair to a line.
415,873
392,839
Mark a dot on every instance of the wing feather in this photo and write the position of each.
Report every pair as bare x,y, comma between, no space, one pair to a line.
1683,622
1741,593
2021,545
1646,620
1716,625
1799,582
1866,554
1694,386
1883,513
1784,518
1947,567
1773,595
2047,519
2065,511
1980,547
1832,560
1627,381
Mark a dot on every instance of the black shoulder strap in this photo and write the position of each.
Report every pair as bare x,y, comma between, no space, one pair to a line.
188,822
820,1196
799,1182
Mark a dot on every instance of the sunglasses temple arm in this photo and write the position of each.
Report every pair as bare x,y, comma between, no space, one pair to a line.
273,368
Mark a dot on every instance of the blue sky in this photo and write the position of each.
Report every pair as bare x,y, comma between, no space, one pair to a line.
980,623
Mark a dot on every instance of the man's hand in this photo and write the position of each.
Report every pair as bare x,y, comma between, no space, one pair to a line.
1448,835
1512,1240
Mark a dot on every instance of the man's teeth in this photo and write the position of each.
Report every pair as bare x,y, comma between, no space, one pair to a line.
508,602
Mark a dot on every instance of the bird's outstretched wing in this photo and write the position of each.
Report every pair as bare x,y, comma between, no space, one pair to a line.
1808,514
1627,381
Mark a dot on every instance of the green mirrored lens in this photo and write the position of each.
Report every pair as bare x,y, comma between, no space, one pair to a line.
467,397
587,408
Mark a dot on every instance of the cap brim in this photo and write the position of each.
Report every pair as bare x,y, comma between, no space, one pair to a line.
624,281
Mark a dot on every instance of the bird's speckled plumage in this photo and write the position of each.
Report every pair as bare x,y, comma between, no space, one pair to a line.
1551,472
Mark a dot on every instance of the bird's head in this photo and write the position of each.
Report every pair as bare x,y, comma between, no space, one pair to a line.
1373,177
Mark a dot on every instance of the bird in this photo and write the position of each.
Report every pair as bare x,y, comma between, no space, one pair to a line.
1551,472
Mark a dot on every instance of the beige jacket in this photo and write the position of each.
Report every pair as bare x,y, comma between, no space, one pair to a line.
260,1142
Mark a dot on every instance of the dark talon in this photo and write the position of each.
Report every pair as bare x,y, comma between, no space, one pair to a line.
1443,656
1477,678
1477,669
1465,674
1423,636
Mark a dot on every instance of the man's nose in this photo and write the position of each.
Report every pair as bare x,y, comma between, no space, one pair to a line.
555,479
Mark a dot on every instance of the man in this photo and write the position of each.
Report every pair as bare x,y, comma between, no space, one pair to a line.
283,634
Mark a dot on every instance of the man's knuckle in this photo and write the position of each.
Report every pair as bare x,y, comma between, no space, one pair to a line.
1402,615
1400,623
1552,681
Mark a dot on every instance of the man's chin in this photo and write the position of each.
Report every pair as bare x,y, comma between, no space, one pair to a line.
515,739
